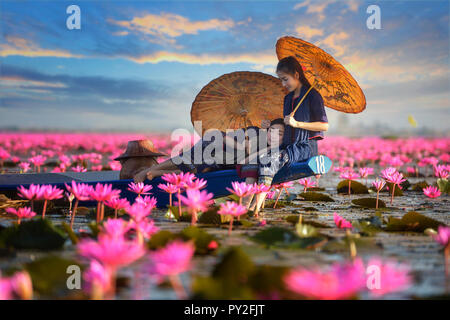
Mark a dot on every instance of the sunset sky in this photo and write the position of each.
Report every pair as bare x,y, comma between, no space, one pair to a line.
139,65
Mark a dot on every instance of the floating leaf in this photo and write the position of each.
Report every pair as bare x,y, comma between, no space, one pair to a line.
355,186
201,238
315,189
444,185
272,235
38,234
235,266
419,186
315,196
49,275
369,202
210,217
413,221
160,239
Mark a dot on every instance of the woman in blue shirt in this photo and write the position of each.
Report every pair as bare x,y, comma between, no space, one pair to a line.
302,130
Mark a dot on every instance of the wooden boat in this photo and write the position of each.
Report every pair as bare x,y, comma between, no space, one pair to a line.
217,181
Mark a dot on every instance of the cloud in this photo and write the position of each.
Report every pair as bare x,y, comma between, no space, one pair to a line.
171,25
259,58
23,47
307,32
334,41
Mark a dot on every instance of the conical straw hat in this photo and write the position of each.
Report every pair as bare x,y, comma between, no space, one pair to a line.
238,100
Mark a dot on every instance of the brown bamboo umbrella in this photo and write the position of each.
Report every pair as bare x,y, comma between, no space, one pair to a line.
338,88
238,100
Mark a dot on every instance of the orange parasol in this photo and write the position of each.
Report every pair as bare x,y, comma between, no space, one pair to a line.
336,85
238,100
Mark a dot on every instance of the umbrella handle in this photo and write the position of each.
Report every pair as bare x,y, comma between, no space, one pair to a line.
295,110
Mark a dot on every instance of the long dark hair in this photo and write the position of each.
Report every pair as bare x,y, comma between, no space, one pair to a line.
290,65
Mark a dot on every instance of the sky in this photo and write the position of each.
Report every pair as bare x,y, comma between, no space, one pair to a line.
138,65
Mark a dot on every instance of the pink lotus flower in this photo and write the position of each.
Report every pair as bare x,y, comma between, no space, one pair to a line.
349,175
233,209
180,181
260,188
50,193
431,192
24,166
34,192
81,192
391,276
117,204
170,261
17,286
138,211
378,184
139,188
114,165
97,168
441,171
196,201
386,173
112,252
170,189
306,183
364,172
79,169
102,193
195,184
98,280
241,189
342,281
145,228
115,228
38,161
21,213
340,222
395,178
443,236
147,201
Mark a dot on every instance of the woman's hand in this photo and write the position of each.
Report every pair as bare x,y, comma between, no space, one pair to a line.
290,121
141,175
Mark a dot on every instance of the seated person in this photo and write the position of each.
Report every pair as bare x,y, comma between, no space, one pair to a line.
233,152
139,154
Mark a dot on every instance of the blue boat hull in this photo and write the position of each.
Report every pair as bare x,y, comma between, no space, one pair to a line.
217,181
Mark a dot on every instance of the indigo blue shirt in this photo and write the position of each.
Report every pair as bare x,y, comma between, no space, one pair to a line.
311,110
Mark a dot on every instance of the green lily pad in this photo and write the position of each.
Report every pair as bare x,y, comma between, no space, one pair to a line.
201,238
310,209
315,196
49,276
284,238
210,217
38,234
160,239
343,245
355,186
419,186
444,185
235,266
369,202
272,235
413,221
315,189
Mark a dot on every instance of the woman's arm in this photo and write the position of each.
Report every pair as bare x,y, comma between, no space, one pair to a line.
312,126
